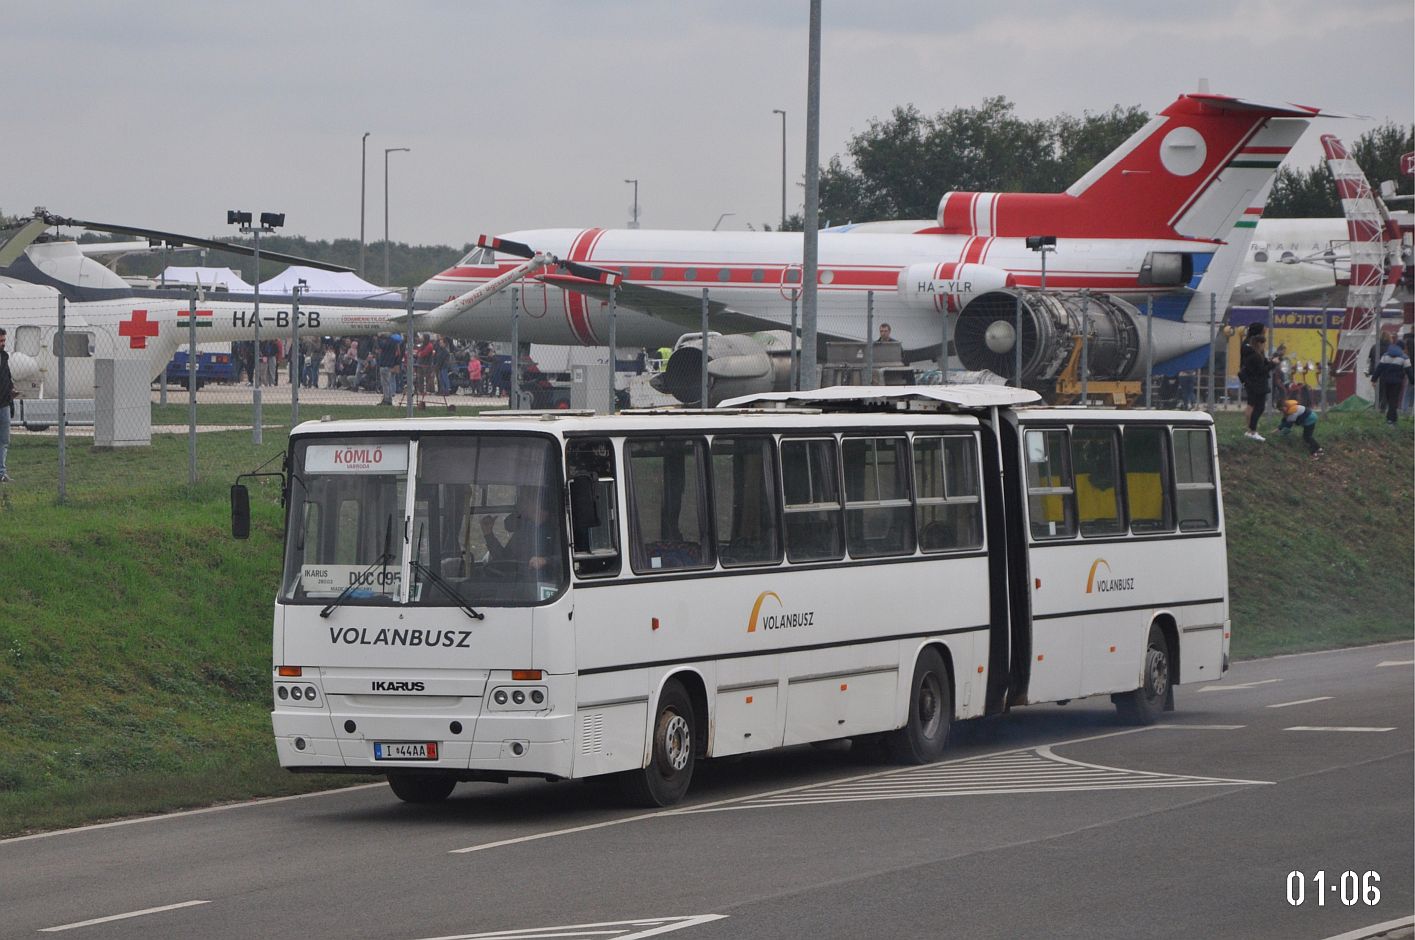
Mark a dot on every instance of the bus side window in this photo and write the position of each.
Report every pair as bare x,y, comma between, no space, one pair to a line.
596,547
1196,497
879,518
812,507
1051,500
744,500
1095,454
668,505
950,514
1147,480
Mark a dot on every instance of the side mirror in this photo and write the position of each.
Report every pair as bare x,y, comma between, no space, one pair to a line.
240,512
584,511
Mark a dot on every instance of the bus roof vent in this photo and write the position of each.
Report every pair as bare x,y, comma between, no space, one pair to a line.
892,398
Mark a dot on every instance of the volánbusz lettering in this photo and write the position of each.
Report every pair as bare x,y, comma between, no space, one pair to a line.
362,636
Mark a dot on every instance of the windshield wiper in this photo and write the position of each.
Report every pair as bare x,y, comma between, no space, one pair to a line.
440,581
383,559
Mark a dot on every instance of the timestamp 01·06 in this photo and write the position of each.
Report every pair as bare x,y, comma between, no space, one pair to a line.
1350,887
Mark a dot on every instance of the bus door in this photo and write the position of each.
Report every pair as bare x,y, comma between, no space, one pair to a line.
1010,638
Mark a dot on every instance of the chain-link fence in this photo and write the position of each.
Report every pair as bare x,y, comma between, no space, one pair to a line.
212,373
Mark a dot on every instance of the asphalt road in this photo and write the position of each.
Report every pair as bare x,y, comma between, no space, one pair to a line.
1051,822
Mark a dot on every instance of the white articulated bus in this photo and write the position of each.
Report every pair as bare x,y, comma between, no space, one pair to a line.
564,595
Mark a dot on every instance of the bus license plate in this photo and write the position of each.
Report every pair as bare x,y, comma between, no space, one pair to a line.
405,750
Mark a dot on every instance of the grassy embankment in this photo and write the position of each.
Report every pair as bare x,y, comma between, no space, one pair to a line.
134,633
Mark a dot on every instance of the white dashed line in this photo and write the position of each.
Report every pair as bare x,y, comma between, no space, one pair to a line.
616,929
1313,728
1375,930
104,920
1396,662
1302,701
1237,685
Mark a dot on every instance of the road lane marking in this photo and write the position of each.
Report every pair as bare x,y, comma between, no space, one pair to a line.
644,927
1038,770
190,812
1396,662
1302,701
1316,728
1237,685
1375,929
1177,724
112,917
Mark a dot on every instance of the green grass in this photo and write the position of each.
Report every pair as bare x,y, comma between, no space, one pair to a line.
135,633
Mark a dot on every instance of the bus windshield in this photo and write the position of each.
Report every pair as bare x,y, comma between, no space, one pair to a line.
485,526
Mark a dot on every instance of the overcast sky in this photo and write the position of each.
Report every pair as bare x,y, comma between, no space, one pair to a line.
531,114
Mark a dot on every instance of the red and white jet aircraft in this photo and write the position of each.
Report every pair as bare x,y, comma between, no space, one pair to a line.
1145,222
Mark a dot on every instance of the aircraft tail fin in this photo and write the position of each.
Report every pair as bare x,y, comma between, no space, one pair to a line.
1191,172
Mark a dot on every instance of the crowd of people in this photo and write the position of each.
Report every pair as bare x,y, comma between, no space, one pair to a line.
1262,375
441,365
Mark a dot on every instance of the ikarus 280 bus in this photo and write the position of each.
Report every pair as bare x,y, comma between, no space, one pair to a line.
566,595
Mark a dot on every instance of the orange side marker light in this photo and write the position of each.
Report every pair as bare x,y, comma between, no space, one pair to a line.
655,623
843,686
291,670
749,700
1041,656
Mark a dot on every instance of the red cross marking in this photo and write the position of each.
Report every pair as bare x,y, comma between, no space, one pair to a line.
138,328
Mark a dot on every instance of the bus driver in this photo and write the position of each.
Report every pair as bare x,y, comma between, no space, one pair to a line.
531,537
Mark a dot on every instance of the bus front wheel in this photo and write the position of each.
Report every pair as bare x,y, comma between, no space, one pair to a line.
665,780
421,788
1145,705
924,734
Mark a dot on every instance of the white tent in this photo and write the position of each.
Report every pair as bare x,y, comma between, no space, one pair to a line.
345,284
205,277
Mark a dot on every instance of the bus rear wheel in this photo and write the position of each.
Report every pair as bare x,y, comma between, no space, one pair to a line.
1145,705
665,780
924,734
421,788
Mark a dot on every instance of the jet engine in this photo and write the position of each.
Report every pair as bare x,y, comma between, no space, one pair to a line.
737,365
985,336
948,287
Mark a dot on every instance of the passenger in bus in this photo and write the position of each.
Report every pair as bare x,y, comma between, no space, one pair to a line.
531,535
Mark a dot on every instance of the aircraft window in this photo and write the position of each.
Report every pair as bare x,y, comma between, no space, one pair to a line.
690,274
1288,257
758,275
657,274
724,275
812,506
879,518
668,505
26,340
827,277
1095,454
1147,480
793,276
76,345
477,257
624,272
744,497
1051,499
1260,256
1195,494
950,512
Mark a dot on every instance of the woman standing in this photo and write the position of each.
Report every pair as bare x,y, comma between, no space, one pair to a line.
1254,370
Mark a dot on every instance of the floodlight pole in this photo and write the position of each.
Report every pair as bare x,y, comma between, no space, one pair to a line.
268,222
634,221
63,405
386,152
782,228
810,242
296,354
363,197
192,390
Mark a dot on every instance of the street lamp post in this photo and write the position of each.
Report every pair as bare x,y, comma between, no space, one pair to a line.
363,193
634,222
269,222
783,166
386,152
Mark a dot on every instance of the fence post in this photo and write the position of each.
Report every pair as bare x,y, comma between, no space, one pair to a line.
297,357
703,389
1149,348
869,376
1085,347
1324,366
795,353
1209,393
613,361
408,346
192,390
514,400
63,410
